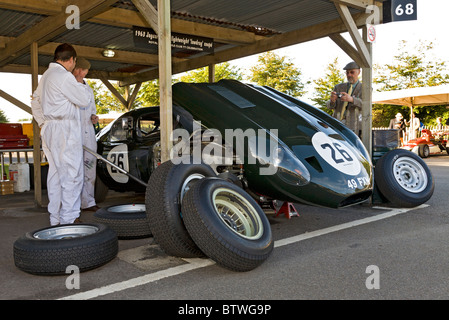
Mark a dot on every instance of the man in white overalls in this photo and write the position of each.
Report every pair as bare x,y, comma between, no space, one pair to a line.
55,106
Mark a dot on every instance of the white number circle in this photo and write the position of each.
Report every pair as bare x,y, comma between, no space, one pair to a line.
336,153
118,156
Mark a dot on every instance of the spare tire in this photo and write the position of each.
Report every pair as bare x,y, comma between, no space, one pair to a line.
129,221
403,178
50,251
227,224
166,187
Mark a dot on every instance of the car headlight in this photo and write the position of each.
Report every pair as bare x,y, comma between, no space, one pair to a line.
278,161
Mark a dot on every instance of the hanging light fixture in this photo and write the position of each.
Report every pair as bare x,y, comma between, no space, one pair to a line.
108,53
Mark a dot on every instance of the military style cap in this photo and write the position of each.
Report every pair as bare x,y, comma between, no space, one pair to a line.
351,65
82,63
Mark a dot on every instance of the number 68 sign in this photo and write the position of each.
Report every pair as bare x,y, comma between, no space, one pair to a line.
399,10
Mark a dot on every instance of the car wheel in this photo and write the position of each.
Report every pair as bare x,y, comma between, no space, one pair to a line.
404,178
227,224
424,151
129,221
50,251
166,188
101,190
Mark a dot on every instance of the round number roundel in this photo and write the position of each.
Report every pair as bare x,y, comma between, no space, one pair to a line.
336,153
119,156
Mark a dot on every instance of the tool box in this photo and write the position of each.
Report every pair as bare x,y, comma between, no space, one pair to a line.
12,137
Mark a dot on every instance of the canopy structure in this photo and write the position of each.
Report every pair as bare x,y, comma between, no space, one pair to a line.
424,96
132,41
414,97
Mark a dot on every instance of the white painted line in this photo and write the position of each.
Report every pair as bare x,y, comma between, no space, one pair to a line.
132,283
201,263
343,226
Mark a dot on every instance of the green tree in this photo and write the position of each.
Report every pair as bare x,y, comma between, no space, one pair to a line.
277,72
410,69
324,86
3,117
148,95
106,101
222,71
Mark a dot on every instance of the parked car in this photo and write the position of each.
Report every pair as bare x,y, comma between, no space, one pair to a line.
318,160
427,144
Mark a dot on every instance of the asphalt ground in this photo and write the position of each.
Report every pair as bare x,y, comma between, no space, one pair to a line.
361,252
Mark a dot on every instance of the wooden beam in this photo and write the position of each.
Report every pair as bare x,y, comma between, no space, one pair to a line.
275,42
367,97
15,102
93,74
359,4
148,12
92,53
347,48
165,75
112,89
365,57
36,132
49,28
95,53
133,96
211,71
127,18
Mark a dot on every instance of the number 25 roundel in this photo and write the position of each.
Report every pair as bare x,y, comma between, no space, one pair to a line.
119,156
336,153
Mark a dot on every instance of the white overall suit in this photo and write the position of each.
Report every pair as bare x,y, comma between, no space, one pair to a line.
54,107
90,162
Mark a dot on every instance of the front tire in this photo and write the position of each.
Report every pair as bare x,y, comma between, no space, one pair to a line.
404,178
227,224
164,193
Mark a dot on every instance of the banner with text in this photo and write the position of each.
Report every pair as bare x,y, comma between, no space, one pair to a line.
146,38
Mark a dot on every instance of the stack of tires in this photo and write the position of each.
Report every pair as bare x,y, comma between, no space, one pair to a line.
192,213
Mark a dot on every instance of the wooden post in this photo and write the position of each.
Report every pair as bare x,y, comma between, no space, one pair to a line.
367,95
165,74
36,131
211,69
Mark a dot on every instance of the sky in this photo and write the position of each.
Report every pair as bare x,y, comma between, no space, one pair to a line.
310,58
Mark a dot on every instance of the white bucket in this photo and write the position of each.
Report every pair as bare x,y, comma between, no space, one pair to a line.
20,174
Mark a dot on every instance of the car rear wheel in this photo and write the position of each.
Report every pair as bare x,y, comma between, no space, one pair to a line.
129,221
404,178
227,224
50,251
166,188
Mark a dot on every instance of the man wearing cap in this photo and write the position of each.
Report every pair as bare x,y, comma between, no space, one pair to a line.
88,120
346,99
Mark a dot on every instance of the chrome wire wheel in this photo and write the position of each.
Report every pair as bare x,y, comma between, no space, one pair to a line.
188,183
410,174
128,208
237,213
65,232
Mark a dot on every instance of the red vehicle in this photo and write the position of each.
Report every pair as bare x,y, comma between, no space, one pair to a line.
428,144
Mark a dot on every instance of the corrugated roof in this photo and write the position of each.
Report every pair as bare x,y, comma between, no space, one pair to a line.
260,17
